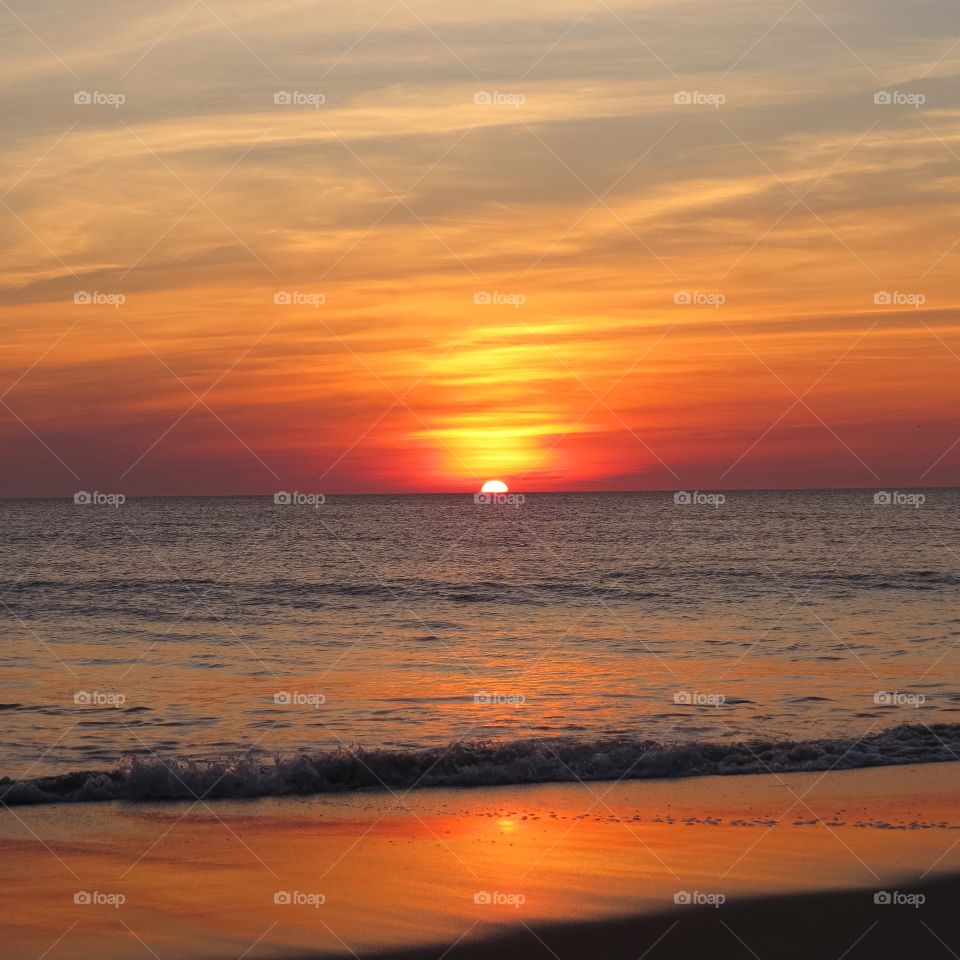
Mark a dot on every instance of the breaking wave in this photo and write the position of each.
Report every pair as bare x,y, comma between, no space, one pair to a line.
479,763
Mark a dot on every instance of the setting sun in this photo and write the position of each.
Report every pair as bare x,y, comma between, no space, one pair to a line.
494,486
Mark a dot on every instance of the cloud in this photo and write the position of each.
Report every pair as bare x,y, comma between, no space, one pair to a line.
531,151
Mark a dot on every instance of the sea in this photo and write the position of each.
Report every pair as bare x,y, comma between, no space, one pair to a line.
157,648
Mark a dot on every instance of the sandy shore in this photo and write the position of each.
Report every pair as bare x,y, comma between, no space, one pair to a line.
367,873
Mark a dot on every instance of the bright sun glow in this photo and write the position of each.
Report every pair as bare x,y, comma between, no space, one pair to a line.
494,486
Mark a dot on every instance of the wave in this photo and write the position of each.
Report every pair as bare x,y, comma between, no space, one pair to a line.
162,597
479,763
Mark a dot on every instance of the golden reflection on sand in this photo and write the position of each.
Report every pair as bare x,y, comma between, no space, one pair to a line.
360,871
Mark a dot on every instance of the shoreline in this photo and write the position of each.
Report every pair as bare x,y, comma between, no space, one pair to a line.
370,873
483,763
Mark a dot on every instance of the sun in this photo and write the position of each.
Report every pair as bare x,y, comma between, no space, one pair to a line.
494,486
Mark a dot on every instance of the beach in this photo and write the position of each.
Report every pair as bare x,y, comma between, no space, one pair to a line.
787,864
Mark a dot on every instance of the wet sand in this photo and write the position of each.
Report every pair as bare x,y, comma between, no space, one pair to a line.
368,873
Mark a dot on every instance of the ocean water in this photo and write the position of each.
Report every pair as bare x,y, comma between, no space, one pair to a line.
251,647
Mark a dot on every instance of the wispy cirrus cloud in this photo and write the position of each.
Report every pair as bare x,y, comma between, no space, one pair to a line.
544,157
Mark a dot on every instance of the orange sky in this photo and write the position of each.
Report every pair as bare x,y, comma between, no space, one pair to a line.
487,229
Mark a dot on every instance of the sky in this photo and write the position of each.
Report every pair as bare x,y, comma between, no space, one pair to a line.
410,246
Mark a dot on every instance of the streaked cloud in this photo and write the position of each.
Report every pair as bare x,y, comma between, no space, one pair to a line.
535,155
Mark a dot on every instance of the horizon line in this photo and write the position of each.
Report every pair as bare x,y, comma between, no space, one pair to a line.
460,493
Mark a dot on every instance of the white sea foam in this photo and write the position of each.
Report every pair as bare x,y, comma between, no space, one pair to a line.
480,763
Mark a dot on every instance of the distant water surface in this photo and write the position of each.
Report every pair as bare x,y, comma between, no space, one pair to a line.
197,628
